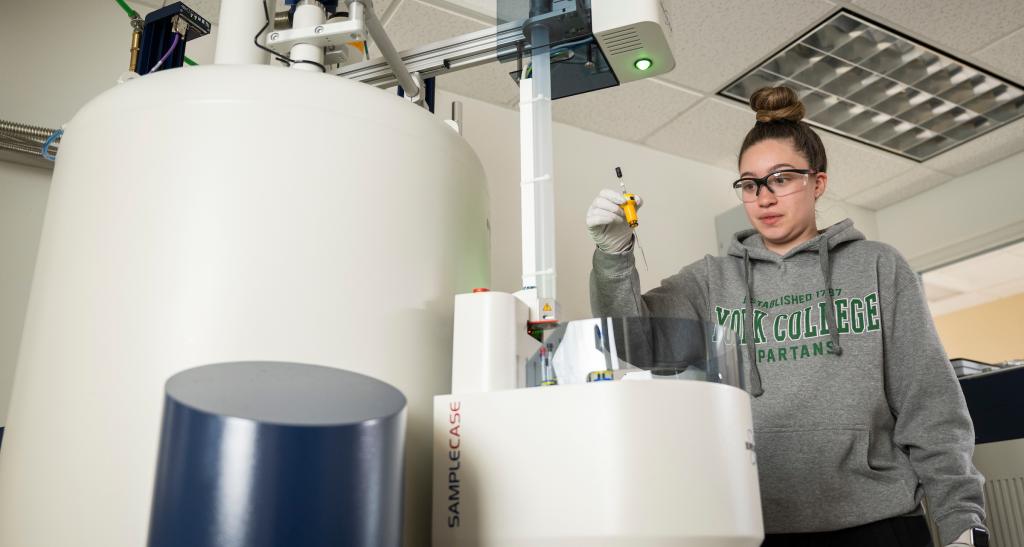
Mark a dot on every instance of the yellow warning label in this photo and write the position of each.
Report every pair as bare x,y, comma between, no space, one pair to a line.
547,307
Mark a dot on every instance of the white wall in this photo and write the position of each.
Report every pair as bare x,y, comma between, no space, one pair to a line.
969,214
45,81
22,202
677,223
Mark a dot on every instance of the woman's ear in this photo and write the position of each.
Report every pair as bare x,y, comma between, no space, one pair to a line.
820,184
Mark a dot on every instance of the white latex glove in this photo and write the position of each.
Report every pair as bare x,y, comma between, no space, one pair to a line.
963,541
606,222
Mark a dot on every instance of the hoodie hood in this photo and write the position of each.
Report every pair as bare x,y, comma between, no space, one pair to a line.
750,242
749,246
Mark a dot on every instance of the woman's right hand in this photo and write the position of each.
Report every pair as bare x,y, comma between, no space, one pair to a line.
607,225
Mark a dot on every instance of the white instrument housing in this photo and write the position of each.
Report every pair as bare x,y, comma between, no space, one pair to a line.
653,463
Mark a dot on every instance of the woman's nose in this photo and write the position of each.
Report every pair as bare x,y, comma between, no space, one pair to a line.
765,197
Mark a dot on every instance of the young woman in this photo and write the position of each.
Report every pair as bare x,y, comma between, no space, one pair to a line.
857,412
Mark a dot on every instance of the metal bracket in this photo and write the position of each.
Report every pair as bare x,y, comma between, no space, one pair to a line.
326,35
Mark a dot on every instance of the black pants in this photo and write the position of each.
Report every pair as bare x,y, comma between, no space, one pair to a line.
893,532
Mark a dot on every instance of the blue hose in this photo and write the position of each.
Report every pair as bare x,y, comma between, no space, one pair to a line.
49,142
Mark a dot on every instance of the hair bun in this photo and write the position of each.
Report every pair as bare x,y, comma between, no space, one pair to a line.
775,104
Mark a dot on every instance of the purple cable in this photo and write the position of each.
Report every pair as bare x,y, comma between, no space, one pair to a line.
174,44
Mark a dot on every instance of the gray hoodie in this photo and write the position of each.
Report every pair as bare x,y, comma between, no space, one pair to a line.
860,415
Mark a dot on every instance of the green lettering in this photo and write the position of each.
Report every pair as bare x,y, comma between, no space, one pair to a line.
803,352
722,314
823,319
794,325
760,355
857,314
810,331
818,349
842,316
871,302
782,354
771,355
759,337
778,328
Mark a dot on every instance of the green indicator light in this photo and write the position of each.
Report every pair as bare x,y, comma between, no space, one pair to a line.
643,64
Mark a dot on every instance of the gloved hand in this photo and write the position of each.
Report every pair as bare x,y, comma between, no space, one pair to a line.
607,225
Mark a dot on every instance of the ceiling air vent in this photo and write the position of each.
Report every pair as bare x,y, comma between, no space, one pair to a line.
622,41
864,81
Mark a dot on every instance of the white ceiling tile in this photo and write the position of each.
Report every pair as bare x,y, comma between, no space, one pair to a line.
982,151
715,42
1005,290
416,23
936,293
854,167
482,10
981,279
1016,249
1005,57
901,187
986,271
956,303
631,111
711,132
942,278
964,27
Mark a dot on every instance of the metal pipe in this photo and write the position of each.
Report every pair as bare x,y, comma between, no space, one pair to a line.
357,12
16,147
23,139
387,49
24,129
280,21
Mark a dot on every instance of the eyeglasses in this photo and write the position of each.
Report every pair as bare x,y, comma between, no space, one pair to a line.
781,183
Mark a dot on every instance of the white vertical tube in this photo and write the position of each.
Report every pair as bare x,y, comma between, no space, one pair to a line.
527,203
308,13
543,174
239,22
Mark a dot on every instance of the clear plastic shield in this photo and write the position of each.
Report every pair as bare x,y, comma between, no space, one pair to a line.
634,348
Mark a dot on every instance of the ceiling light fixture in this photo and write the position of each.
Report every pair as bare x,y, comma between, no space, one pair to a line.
867,82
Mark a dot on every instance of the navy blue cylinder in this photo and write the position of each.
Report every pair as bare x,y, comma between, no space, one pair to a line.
262,454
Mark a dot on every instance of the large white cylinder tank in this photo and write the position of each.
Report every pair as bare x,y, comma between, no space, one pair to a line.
230,213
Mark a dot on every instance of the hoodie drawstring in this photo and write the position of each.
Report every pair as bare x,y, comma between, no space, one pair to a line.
830,314
755,374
